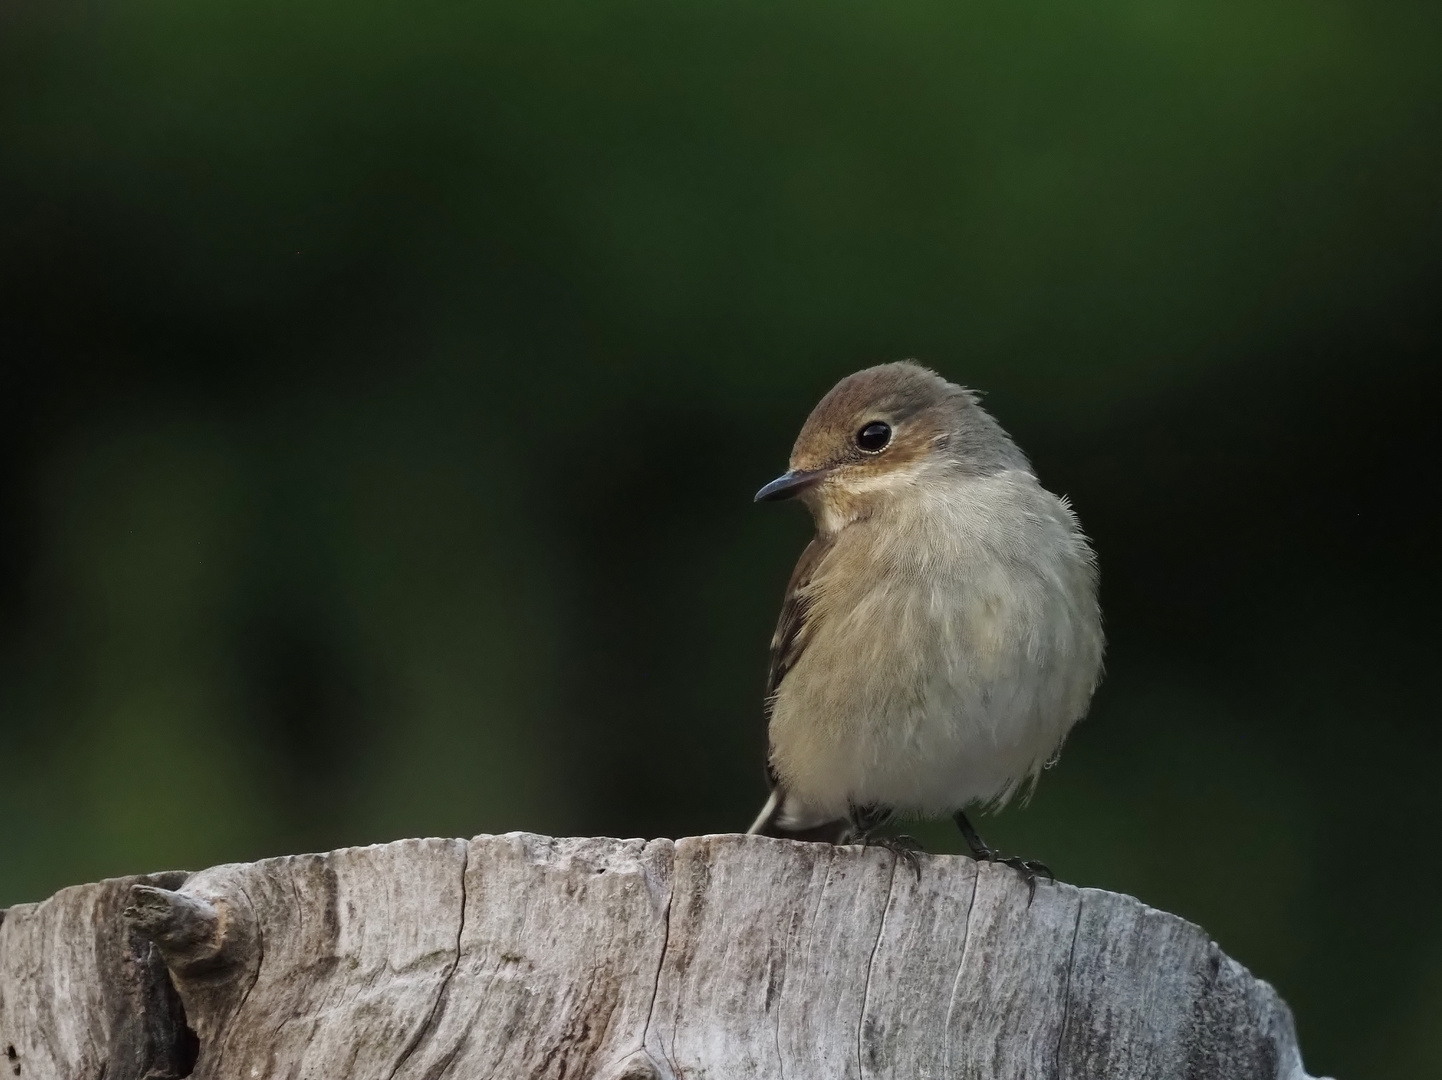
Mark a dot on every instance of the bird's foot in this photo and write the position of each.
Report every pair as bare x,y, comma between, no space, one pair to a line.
1029,869
903,847
981,851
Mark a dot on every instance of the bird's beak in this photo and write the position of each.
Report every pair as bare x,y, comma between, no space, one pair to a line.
789,484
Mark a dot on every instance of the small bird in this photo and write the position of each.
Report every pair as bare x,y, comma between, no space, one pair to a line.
940,635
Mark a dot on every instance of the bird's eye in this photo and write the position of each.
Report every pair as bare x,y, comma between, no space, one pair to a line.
874,437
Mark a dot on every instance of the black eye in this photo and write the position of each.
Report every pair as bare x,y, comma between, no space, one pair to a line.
873,437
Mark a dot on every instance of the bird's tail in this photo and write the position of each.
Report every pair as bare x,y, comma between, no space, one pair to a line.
770,823
767,817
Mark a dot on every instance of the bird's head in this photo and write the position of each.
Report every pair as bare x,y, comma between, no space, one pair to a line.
885,433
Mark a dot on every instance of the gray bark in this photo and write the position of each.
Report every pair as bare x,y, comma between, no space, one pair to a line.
525,956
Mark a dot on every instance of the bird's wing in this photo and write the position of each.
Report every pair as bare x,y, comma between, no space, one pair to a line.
794,629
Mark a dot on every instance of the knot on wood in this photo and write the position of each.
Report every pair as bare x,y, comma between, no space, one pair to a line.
194,934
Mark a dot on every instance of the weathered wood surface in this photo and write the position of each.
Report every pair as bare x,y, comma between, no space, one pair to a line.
525,956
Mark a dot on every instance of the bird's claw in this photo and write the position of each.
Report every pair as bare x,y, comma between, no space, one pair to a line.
903,847
1029,869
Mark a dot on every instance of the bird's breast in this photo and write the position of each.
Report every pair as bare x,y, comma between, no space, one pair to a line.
947,658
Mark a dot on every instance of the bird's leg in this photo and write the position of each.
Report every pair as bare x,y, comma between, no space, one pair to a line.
1029,869
866,819
979,851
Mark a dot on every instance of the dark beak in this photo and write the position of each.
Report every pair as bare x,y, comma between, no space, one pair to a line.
790,484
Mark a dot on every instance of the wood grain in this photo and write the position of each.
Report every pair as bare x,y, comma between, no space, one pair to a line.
711,957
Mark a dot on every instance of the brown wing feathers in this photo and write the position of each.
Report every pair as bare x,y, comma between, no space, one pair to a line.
793,631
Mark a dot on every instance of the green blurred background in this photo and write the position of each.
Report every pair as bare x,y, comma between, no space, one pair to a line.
384,388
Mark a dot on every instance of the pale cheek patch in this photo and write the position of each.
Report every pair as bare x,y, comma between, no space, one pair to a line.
892,481
842,501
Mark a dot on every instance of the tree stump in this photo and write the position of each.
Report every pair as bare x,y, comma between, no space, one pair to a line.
522,956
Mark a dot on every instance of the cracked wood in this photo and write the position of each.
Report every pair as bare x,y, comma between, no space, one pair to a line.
526,956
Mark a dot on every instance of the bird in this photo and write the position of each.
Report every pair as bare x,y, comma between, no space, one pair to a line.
940,634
